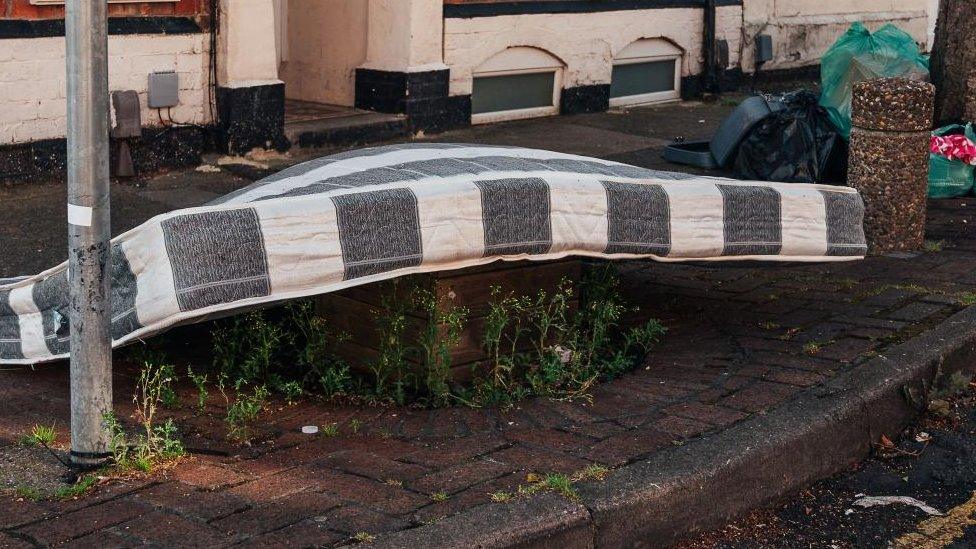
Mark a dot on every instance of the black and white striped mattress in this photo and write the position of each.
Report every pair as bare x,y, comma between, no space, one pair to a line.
374,214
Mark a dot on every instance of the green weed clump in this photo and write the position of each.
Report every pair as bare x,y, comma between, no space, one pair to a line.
543,346
288,352
156,442
553,344
77,489
245,409
40,435
395,373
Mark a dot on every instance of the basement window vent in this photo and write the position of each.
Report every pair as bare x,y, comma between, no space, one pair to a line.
647,71
517,83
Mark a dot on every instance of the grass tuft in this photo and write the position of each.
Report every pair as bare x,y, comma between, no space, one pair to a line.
40,435
77,489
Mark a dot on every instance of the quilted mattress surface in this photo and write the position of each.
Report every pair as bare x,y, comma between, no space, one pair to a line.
373,214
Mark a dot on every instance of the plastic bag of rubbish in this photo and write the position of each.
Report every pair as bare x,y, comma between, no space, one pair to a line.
950,177
797,144
862,55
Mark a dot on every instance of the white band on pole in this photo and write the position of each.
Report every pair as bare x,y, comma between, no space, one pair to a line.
79,216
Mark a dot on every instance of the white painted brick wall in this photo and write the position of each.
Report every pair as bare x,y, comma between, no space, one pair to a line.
32,81
803,30
585,42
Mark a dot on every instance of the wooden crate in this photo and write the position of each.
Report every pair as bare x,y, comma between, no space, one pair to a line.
355,311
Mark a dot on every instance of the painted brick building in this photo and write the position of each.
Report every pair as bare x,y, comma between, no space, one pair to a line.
245,67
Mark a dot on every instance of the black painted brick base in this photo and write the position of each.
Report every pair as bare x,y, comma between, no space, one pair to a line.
422,96
250,117
158,148
584,99
692,86
779,76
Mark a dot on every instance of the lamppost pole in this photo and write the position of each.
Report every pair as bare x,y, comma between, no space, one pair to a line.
89,257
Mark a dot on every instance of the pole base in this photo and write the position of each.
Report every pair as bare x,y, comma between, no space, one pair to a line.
87,461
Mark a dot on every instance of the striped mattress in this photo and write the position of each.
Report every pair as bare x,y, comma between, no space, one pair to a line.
373,214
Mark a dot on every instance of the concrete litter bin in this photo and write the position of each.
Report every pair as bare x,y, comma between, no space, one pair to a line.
889,159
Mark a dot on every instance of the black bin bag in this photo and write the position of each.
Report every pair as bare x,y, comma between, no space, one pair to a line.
797,144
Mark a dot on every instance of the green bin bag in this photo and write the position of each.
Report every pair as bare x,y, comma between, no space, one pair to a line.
951,178
862,55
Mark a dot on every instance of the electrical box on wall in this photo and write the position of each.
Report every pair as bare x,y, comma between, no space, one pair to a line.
764,48
164,90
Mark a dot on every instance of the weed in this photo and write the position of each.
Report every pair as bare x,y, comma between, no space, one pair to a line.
557,343
933,246
364,537
118,442
291,390
438,497
955,384
396,374
967,298
200,382
161,374
550,482
913,288
789,334
846,283
391,369
156,442
330,430
769,325
147,451
355,425
501,496
556,482
442,332
29,493
591,472
812,347
315,343
77,489
571,348
244,410
40,435
244,348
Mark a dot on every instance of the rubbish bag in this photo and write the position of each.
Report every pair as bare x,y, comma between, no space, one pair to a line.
797,144
951,178
860,55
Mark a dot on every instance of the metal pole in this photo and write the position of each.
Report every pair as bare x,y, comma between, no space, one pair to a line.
710,84
88,229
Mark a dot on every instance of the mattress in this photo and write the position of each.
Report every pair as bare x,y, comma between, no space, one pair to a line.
373,214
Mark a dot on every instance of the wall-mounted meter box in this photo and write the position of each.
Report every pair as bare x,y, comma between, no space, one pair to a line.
164,90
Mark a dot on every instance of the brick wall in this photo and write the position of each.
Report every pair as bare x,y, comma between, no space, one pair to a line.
23,9
803,30
32,80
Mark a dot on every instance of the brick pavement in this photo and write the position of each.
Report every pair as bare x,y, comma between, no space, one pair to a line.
743,339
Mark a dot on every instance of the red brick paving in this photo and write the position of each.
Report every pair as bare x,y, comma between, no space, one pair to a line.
739,343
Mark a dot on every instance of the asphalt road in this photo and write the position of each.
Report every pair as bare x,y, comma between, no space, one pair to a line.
933,462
